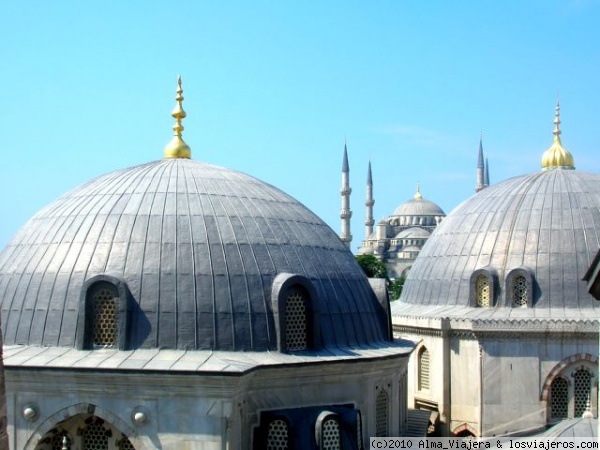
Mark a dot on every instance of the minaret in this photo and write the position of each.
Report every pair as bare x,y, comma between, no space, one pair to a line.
480,167
177,148
486,176
346,213
369,202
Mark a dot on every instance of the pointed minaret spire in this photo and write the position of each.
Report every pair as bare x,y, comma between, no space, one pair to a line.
486,175
346,213
177,148
480,183
369,202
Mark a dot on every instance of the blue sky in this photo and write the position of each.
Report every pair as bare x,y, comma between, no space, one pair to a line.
273,88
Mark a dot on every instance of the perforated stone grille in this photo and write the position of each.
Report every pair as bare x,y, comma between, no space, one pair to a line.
95,437
483,291
125,444
381,414
277,435
56,443
582,381
330,437
519,291
295,321
105,318
559,398
424,369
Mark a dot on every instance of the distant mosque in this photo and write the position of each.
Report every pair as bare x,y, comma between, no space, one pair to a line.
398,238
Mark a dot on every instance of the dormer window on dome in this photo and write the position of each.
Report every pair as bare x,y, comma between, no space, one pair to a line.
104,314
483,288
519,288
295,305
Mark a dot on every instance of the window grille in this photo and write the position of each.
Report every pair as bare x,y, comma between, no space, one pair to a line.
519,291
483,290
582,381
57,440
277,435
330,436
105,317
295,321
95,436
559,398
424,369
125,444
381,413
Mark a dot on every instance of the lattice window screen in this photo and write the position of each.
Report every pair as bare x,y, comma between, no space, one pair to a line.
424,369
277,435
296,321
519,291
105,317
125,444
559,398
330,436
95,436
381,413
483,290
582,381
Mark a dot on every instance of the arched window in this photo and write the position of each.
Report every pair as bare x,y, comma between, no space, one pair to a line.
105,315
296,323
483,290
423,368
519,291
381,413
330,435
559,398
277,435
582,383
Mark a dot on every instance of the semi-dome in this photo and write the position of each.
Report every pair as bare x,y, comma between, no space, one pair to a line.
525,242
200,256
413,233
418,206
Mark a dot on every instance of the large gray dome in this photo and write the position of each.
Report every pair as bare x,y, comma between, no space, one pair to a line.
199,249
543,226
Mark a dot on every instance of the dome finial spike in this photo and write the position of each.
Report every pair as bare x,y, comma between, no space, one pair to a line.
177,148
418,195
557,157
557,120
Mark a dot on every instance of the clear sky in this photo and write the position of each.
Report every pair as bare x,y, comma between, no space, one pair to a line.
273,88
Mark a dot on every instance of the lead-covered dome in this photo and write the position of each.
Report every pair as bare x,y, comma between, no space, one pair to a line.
179,254
418,207
199,249
523,244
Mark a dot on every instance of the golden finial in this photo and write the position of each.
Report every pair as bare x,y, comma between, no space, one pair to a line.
557,157
418,195
177,148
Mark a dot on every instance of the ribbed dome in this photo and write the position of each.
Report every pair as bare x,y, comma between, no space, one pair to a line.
544,224
198,247
418,207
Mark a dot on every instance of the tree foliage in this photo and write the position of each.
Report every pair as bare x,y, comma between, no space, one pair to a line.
372,266
395,287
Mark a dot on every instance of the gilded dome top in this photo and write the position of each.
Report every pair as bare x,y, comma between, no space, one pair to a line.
557,157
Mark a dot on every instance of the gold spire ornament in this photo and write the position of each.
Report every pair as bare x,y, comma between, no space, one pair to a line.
418,195
177,148
557,157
